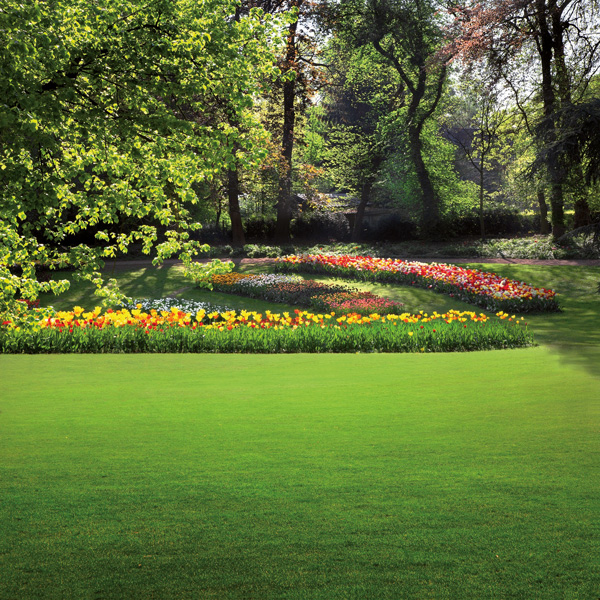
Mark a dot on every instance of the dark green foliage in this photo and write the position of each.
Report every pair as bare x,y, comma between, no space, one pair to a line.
321,227
260,229
390,229
497,223
575,142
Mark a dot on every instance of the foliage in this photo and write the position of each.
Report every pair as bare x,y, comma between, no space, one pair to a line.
390,228
406,35
110,116
202,273
577,142
321,226
400,184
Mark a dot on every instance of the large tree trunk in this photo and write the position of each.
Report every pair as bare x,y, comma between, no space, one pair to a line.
557,207
580,203
583,215
233,192
284,207
430,216
555,173
481,198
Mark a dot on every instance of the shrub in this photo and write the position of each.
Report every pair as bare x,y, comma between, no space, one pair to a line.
260,229
392,228
201,273
496,223
321,227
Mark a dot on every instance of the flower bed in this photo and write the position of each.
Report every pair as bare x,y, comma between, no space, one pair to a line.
287,289
250,332
292,289
363,303
488,290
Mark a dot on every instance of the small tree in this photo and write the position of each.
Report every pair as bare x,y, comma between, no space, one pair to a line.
478,134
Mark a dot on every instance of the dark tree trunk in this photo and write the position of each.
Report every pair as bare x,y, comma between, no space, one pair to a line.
557,206
284,207
544,224
430,216
555,173
583,215
481,198
417,115
233,192
581,206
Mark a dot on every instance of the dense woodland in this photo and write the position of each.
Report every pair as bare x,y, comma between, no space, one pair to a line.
171,123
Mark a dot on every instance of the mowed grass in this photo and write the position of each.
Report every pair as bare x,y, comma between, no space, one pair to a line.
309,476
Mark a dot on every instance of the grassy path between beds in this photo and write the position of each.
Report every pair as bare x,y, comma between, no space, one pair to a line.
309,476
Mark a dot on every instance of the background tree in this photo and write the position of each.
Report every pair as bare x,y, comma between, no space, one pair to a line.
561,35
363,92
407,35
479,130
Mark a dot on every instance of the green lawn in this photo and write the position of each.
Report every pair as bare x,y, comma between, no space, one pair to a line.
309,476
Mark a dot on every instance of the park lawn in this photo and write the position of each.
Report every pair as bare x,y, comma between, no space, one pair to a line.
470,475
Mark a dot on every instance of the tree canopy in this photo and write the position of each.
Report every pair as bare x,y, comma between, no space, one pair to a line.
109,113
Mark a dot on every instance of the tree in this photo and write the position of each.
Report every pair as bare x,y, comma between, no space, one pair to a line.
108,114
559,31
578,140
363,91
479,134
407,34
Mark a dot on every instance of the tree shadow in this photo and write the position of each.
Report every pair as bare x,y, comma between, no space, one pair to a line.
145,282
573,333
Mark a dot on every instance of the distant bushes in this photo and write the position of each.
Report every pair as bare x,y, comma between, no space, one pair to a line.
497,223
321,227
260,229
326,227
392,228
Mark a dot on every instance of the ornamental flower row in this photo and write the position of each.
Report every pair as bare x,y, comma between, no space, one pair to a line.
154,319
174,330
488,290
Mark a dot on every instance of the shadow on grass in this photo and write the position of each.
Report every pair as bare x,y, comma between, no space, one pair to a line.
573,333
147,282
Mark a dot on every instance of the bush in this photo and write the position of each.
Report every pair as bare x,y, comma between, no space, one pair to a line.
261,251
260,229
321,227
212,234
390,229
496,223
